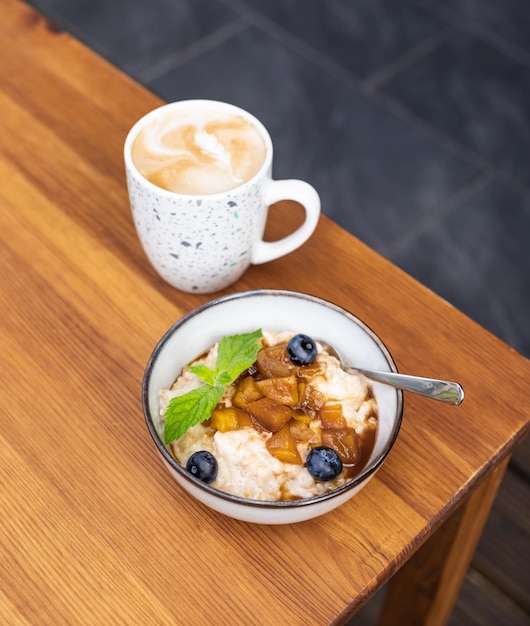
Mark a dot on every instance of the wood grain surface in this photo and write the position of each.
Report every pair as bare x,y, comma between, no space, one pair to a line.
94,530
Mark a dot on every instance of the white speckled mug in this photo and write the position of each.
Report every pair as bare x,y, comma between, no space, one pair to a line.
202,239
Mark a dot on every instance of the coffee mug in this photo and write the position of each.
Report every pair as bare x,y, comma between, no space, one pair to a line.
200,185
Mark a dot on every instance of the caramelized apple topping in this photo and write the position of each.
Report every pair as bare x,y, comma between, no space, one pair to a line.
246,392
283,389
270,414
331,416
230,418
276,396
309,399
344,441
302,432
282,445
274,362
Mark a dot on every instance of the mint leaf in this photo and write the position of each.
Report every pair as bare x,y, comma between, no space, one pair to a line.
224,378
189,409
237,353
203,371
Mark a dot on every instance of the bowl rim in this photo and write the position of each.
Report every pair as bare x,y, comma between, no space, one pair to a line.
368,471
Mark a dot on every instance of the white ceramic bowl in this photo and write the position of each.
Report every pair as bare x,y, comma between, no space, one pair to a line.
272,310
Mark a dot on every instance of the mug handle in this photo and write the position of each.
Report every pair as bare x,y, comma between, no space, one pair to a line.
299,191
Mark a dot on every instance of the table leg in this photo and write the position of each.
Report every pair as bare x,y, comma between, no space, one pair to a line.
425,589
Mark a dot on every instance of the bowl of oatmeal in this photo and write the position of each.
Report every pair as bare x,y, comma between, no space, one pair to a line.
254,419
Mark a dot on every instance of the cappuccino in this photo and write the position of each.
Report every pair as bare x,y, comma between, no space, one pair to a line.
199,176
199,151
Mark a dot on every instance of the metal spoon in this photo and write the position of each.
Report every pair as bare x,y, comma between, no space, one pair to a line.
442,390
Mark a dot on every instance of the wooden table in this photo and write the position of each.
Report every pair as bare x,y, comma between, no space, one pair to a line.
94,530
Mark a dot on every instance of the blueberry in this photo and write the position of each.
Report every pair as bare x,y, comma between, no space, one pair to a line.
302,350
323,463
202,465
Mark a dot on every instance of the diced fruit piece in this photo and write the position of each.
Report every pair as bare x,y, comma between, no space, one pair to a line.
273,362
282,445
229,418
323,463
203,465
270,414
302,350
309,399
331,416
244,419
301,431
344,441
307,372
300,416
284,390
246,392
224,420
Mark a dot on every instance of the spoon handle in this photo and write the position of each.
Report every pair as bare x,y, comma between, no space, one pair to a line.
442,390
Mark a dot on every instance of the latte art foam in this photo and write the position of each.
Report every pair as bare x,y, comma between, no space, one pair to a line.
199,151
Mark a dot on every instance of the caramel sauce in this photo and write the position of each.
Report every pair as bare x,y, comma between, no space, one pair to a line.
366,445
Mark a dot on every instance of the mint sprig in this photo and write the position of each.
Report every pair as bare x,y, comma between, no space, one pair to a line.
235,354
189,409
